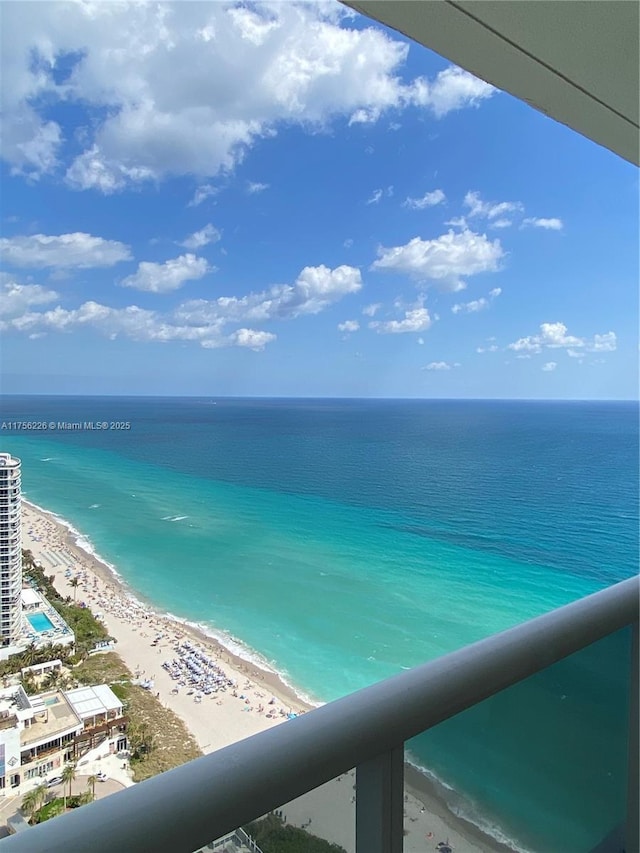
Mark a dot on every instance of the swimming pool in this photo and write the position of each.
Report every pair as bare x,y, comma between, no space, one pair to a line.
40,622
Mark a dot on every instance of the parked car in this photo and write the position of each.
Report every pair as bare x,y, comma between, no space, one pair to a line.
56,780
101,777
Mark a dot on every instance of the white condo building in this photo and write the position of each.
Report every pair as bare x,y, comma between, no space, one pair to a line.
10,551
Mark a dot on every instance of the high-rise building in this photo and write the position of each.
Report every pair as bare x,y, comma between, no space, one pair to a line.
10,551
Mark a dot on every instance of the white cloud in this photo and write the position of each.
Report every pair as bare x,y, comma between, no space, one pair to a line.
490,348
477,304
375,197
250,338
363,117
188,89
314,290
549,224
371,310
440,365
452,90
202,194
256,187
171,275
201,321
470,307
496,212
415,320
457,222
16,299
549,366
443,260
603,343
206,235
348,243
555,336
528,344
429,199
66,251
349,326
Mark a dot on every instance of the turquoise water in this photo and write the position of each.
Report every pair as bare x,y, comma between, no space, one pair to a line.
40,622
343,541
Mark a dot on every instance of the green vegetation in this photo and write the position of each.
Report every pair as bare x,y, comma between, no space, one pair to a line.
55,807
78,800
34,800
105,668
30,656
68,775
49,810
272,835
159,740
87,629
91,786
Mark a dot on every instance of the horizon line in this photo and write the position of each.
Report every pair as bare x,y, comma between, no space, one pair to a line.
327,397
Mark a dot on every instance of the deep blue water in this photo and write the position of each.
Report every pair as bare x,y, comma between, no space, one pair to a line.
344,540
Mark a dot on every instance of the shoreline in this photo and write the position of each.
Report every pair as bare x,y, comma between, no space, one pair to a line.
199,632
128,616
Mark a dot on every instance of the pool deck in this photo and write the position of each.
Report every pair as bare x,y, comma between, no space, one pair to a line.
48,624
57,630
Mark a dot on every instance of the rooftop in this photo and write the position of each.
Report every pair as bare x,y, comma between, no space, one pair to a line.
8,461
13,699
90,701
53,716
30,596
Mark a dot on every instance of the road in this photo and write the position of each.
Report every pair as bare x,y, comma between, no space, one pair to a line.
10,804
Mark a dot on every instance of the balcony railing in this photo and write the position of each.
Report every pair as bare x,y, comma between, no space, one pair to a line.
184,809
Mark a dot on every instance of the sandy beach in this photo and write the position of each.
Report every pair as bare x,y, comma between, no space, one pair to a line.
262,699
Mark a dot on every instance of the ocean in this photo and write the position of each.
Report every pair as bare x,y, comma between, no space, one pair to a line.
341,541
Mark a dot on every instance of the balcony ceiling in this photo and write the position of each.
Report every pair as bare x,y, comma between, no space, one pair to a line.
575,61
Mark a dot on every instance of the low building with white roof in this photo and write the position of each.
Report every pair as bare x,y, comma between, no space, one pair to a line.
102,715
30,599
38,734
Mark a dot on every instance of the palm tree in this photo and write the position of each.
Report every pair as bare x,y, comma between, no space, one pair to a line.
34,799
29,683
141,739
31,802
74,584
51,680
91,783
29,654
41,792
68,775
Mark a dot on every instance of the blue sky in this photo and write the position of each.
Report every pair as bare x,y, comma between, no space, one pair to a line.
283,199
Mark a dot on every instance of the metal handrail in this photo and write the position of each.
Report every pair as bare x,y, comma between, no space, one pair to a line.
185,808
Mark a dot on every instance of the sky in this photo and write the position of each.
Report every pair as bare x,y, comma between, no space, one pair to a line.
287,199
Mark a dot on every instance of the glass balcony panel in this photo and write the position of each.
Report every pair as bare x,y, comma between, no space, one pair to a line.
541,765
327,812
